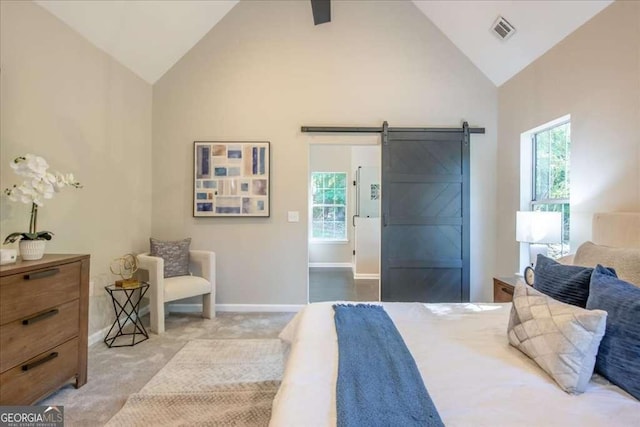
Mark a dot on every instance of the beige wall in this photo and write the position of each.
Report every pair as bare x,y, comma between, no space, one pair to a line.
594,75
69,102
265,70
260,74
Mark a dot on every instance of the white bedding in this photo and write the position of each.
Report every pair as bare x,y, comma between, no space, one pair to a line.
472,374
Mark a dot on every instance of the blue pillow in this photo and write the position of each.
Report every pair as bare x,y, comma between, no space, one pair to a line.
565,283
618,358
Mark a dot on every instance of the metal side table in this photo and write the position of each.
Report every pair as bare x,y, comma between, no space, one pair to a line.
126,312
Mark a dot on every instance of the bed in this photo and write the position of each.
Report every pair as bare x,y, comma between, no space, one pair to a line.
472,373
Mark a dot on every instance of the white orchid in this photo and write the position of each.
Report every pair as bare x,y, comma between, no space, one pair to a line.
30,166
39,186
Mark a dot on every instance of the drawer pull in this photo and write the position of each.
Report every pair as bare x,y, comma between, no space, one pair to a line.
507,290
40,362
40,317
41,274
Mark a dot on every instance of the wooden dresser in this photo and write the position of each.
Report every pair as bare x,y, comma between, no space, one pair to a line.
44,307
503,288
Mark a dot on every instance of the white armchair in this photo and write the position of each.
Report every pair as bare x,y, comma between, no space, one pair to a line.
202,281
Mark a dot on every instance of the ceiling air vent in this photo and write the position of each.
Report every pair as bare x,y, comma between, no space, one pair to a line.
502,28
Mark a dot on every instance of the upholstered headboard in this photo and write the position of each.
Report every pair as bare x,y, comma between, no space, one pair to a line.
619,229
616,243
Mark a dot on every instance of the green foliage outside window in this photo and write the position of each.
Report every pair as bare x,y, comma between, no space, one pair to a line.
552,149
551,160
329,205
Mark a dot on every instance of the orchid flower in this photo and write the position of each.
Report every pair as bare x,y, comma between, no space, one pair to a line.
38,186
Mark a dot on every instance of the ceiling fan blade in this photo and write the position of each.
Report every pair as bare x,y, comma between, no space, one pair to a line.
321,11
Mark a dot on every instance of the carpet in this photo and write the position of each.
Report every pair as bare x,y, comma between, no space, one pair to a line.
210,383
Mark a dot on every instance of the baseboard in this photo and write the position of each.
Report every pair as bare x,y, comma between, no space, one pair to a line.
196,308
331,264
99,336
365,276
240,308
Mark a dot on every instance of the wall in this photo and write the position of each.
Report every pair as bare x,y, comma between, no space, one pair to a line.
265,70
69,102
594,75
332,158
366,233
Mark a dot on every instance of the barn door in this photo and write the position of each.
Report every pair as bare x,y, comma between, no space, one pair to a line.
425,215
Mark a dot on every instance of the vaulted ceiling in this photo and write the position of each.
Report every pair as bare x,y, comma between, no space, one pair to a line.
149,37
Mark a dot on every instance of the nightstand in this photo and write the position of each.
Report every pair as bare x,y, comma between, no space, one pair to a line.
503,288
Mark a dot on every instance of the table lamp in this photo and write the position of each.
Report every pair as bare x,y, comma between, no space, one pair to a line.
538,229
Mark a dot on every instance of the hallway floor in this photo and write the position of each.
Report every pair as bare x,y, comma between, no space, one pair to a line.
338,284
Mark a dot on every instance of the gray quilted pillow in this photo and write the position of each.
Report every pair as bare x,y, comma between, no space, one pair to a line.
562,339
175,255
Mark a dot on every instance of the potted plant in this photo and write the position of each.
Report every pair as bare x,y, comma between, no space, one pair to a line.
38,186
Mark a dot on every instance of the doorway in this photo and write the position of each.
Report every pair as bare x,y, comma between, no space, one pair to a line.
344,221
425,235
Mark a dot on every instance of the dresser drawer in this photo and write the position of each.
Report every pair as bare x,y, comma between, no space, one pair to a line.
40,375
502,291
24,294
25,338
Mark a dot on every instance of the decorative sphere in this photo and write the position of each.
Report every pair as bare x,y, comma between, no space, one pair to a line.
125,266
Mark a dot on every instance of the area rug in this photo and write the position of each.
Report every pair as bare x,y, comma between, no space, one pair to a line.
210,383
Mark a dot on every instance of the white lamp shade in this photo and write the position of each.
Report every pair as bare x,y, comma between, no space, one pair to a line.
538,227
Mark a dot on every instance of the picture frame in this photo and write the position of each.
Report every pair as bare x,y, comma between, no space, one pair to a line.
231,179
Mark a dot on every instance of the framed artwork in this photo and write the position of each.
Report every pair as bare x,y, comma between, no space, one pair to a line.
231,179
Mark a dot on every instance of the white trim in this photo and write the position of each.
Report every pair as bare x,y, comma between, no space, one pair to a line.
187,308
313,241
331,264
197,308
99,335
240,308
366,276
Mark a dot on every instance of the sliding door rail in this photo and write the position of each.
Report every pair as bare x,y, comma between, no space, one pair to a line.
361,129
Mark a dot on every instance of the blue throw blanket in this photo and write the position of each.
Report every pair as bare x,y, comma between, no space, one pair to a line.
378,381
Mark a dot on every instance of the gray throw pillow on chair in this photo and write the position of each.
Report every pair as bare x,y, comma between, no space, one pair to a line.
175,255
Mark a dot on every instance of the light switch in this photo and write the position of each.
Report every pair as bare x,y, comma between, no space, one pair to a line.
293,216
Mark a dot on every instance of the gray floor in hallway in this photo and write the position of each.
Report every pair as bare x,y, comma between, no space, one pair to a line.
331,284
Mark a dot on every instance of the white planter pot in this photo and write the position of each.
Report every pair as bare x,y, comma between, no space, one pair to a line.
32,249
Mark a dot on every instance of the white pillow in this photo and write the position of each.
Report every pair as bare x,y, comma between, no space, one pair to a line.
562,339
626,261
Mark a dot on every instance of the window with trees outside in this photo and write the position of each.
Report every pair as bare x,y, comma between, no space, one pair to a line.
551,186
329,206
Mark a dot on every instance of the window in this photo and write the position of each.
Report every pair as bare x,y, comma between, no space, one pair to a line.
329,205
550,192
